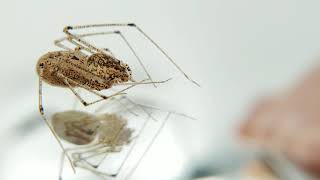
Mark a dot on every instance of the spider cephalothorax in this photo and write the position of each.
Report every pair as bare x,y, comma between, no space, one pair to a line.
98,71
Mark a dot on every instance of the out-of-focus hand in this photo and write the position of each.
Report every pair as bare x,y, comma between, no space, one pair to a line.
289,123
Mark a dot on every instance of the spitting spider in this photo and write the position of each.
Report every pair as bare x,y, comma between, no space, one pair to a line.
95,70
104,134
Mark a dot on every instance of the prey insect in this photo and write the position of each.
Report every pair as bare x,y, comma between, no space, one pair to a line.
103,134
94,70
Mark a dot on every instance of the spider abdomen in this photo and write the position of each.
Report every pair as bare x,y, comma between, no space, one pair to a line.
98,71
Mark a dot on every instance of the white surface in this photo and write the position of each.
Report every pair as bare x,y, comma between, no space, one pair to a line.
237,50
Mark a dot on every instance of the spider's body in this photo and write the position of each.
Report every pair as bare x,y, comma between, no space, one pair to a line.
97,71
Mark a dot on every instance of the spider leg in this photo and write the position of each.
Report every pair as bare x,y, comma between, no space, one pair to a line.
139,83
126,108
68,81
91,152
94,153
172,112
93,170
41,110
113,145
65,153
149,146
78,157
132,146
68,28
119,100
107,104
112,101
58,42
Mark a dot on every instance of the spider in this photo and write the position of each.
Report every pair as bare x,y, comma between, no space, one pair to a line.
98,134
95,70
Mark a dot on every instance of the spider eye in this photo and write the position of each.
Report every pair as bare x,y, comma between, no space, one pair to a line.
41,65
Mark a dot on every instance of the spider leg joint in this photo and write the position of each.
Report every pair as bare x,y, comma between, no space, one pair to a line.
67,28
132,24
41,110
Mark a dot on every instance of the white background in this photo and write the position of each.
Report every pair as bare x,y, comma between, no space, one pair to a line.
237,51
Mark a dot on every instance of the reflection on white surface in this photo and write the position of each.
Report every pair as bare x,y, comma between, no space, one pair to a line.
237,50
165,159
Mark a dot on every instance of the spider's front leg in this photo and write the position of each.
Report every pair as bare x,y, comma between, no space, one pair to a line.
86,46
67,30
41,110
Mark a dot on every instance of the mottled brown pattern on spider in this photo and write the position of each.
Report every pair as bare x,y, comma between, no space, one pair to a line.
97,71
109,68
82,128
